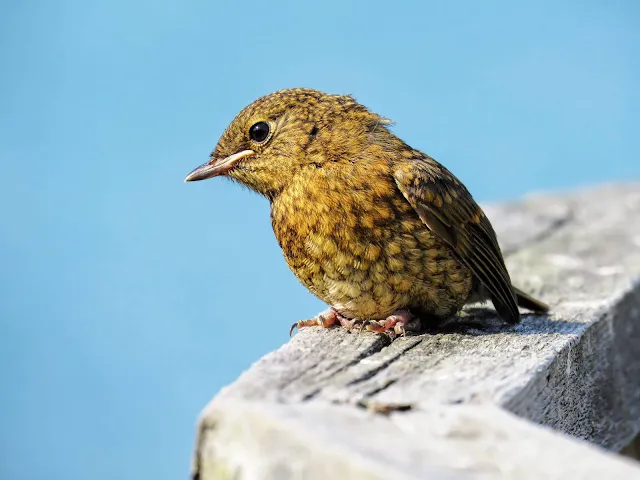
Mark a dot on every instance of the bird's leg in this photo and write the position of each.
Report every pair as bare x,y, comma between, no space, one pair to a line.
399,322
325,319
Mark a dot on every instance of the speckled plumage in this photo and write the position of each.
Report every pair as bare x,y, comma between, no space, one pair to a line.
368,224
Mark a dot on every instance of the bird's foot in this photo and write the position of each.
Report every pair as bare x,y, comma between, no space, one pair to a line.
326,319
399,323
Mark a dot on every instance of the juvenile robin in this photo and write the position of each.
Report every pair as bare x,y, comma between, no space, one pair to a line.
381,232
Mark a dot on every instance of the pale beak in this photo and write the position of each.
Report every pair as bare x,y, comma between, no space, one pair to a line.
217,167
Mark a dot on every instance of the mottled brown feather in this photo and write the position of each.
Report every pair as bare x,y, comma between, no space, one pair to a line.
461,223
365,222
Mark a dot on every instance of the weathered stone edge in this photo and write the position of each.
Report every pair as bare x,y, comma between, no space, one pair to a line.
613,385
253,440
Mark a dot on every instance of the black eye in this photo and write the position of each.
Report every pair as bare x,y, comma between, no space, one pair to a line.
259,132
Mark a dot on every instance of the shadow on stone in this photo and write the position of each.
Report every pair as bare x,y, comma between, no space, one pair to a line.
484,321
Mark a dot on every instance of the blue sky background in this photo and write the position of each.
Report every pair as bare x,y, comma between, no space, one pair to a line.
128,298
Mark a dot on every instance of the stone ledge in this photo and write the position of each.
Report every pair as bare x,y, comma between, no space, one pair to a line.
264,440
297,413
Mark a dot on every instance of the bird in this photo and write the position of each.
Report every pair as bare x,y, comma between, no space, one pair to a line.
381,232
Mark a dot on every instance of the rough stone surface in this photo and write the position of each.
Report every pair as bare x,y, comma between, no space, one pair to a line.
329,404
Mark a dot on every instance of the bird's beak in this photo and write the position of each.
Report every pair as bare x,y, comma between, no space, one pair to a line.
217,166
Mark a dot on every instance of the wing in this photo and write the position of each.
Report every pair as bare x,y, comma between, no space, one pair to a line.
448,209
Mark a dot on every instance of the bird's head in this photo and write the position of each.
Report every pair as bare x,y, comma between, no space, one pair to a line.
281,134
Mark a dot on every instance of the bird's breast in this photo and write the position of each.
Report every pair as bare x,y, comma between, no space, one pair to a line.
355,242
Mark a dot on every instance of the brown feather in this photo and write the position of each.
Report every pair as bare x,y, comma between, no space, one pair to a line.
365,222
459,221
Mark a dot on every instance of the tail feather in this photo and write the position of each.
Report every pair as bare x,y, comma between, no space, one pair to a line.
527,301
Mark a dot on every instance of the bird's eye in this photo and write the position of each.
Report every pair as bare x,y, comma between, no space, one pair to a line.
259,132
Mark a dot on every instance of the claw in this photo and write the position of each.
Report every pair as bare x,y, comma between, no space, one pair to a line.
324,319
349,324
293,327
361,329
395,323
376,326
